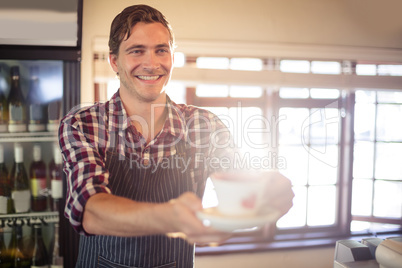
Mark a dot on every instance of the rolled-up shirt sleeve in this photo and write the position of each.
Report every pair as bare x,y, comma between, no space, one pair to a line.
84,167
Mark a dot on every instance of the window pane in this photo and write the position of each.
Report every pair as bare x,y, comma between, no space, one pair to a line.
325,67
324,93
219,111
365,96
293,93
364,121
176,91
112,87
388,199
395,70
363,158
388,161
389,122
245,92
324,126
323,165
295,66
360,226
366,69
212,63
362,196
389,97
249,127
223,114
290,125
210,199
321,205
246,64
296,217
212,91
179,59
296,163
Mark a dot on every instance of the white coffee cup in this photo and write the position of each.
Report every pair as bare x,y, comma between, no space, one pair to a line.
239,193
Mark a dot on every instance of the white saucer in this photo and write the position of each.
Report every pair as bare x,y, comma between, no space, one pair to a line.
212,217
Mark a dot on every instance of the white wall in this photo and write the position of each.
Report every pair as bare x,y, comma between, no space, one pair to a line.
339,23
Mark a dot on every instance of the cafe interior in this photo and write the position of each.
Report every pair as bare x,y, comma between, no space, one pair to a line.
312,88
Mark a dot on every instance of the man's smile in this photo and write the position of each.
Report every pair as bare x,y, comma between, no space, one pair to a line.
149,77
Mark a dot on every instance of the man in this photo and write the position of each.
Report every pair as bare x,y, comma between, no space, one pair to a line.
134,183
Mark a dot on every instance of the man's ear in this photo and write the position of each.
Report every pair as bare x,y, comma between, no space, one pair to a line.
113,62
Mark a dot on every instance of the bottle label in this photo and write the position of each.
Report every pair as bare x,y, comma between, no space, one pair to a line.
16,114
2,114
22,200
3,204
57,189
38,187
35,113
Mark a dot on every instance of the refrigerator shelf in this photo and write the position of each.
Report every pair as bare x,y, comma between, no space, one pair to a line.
28,137
30,218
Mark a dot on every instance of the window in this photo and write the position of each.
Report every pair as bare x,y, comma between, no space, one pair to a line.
246,64
377,172
295,66
314,125
325,67
309,141
212,63
366,69
340,141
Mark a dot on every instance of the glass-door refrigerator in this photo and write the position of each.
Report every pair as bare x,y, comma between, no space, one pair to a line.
40,55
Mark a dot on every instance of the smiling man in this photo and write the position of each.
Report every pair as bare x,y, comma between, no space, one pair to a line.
132,205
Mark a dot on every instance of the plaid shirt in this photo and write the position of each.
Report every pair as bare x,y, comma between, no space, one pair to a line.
86,135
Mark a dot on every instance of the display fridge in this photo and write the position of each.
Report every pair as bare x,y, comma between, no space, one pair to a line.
40,55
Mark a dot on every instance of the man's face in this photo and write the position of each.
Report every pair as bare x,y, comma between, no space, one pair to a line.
145,62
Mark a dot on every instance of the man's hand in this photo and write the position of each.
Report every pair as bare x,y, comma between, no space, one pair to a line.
187,224
278,192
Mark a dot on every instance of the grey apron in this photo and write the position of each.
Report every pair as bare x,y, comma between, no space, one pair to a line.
146,184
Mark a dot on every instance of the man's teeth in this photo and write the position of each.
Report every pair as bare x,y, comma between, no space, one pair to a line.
153,77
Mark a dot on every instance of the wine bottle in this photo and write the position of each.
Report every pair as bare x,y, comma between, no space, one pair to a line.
40,258
16,104
54,115
56,260
3,101
37,173
17,249
20,191
5,261
5,186
36,109
55,175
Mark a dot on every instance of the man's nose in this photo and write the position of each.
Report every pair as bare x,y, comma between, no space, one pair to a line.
151,61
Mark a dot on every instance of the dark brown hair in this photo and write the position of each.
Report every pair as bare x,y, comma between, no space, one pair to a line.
130,16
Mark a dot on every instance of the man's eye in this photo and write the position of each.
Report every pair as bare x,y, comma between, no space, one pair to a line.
136,51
